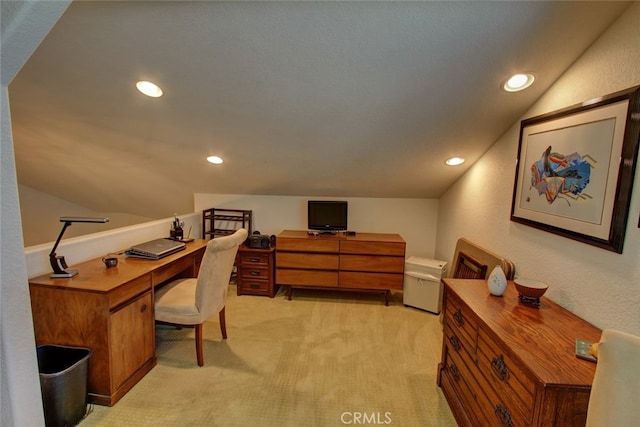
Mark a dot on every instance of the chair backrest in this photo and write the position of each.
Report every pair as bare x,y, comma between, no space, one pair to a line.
484,257
467,267
215,271
616,384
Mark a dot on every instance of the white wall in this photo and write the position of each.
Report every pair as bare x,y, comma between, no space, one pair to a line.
414,219
24,25
38,228
601,286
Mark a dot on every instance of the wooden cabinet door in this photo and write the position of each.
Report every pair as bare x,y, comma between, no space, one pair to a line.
132,338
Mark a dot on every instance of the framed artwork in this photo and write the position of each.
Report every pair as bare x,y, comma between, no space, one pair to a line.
575,170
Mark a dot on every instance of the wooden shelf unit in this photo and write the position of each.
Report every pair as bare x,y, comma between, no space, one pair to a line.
223,222
508,364
364,262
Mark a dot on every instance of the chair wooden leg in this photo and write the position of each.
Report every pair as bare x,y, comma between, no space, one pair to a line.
199,354
223,324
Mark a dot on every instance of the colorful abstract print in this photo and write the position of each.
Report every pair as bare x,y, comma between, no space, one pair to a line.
556,175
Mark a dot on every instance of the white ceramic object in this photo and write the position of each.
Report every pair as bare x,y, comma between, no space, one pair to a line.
497,281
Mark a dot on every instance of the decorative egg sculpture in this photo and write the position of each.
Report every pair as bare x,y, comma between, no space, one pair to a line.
497,281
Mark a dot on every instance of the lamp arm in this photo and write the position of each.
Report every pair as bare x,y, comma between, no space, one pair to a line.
58,264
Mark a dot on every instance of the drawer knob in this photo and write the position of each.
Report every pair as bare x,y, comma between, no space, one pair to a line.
143,308
458,318
500,368
254,273
253,259
455,372
504,415
455,342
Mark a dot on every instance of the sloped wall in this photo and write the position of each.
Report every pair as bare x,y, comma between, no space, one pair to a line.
601,286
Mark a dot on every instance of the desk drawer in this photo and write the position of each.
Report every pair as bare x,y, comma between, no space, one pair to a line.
127,291
166,272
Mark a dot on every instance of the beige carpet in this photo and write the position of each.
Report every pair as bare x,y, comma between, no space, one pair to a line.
322,359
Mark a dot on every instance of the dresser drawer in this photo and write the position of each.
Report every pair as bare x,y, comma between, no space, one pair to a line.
307,261
251,273
254,286
373,263
290,276
349,279
457,344
459,372
460,320
372,248
307,244
505,375
250,259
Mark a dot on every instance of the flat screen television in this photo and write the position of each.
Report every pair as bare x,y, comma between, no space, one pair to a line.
326,215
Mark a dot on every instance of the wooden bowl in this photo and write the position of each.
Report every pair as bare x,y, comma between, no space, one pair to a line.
530,288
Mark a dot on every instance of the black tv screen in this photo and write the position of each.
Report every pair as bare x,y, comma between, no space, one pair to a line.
325,215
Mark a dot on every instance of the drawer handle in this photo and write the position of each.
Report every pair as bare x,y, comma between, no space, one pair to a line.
254,273
455,342
254,286
254,259
458,318
455,372
500,368
504,415
143,308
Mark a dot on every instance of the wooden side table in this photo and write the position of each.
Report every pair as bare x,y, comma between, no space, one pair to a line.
256,271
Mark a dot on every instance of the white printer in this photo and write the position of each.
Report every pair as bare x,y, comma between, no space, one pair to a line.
422,287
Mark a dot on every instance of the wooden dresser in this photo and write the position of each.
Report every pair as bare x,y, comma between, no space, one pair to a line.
111,312
256,271
364,262
508,364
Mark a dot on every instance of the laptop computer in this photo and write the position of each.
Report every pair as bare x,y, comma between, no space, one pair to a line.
155,249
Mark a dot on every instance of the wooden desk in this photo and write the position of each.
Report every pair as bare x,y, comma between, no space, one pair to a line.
508,364
111,312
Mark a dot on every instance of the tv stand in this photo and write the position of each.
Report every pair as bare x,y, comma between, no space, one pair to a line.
372,262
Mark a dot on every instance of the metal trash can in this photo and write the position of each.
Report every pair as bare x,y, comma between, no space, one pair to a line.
63,382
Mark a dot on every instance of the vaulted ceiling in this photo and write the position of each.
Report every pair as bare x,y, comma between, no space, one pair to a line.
341,99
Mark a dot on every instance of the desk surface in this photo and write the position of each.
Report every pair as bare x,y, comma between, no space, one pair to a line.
93,276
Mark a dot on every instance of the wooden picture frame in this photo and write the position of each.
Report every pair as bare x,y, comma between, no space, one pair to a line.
575,170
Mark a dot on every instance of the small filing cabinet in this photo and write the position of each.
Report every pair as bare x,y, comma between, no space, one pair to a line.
256,271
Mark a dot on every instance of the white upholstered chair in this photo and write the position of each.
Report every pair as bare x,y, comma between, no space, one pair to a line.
193,301
615,394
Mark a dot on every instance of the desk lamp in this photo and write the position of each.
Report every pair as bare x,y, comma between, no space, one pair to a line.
59,265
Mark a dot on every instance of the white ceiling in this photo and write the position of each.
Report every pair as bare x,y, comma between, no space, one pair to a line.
340,99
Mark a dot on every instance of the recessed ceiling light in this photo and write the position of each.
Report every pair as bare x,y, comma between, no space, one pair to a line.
215,160
149,89
518,82
454,161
